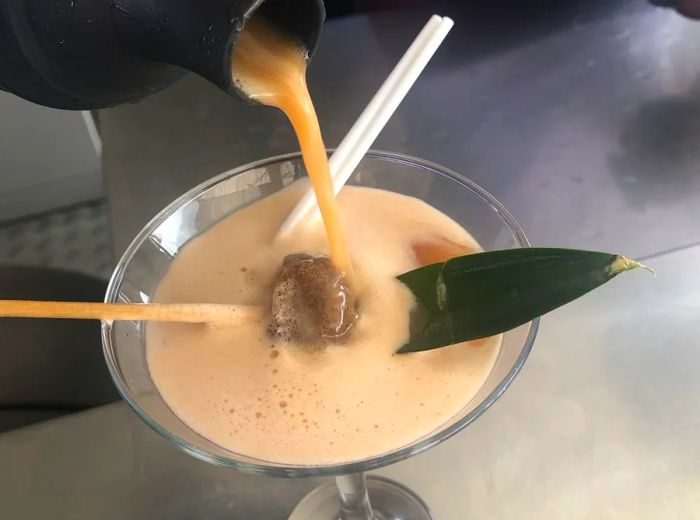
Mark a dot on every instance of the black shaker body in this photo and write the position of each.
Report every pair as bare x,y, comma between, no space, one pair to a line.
88,54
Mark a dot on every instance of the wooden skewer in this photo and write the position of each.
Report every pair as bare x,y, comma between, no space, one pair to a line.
182,312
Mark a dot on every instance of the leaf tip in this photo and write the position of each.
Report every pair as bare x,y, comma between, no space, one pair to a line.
622,264
407,348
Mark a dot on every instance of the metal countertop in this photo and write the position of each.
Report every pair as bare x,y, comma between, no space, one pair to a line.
585,123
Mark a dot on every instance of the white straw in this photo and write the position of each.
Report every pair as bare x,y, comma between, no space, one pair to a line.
377,113
348,143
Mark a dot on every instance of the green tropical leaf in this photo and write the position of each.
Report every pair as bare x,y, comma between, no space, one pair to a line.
484,294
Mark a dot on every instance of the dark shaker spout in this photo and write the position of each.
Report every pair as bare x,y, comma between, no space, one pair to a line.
88,54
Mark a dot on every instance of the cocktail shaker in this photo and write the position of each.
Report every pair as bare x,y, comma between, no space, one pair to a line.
88,54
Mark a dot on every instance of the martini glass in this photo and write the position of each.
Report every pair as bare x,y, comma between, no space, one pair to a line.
353,495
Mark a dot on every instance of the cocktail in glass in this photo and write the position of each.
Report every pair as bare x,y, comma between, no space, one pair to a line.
146,261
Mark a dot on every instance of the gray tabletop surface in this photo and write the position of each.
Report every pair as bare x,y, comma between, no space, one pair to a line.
585,122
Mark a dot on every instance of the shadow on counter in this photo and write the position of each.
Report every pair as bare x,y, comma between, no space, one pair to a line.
659,154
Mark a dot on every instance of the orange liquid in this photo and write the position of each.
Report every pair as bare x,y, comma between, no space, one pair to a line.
297,405
439,249
271,68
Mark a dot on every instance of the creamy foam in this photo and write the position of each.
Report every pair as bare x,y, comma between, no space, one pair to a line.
309,405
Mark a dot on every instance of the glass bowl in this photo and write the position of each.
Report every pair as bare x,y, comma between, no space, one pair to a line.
147,260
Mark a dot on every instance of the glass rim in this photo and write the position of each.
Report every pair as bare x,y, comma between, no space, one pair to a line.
286,470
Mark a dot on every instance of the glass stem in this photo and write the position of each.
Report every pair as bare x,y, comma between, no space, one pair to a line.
354,500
